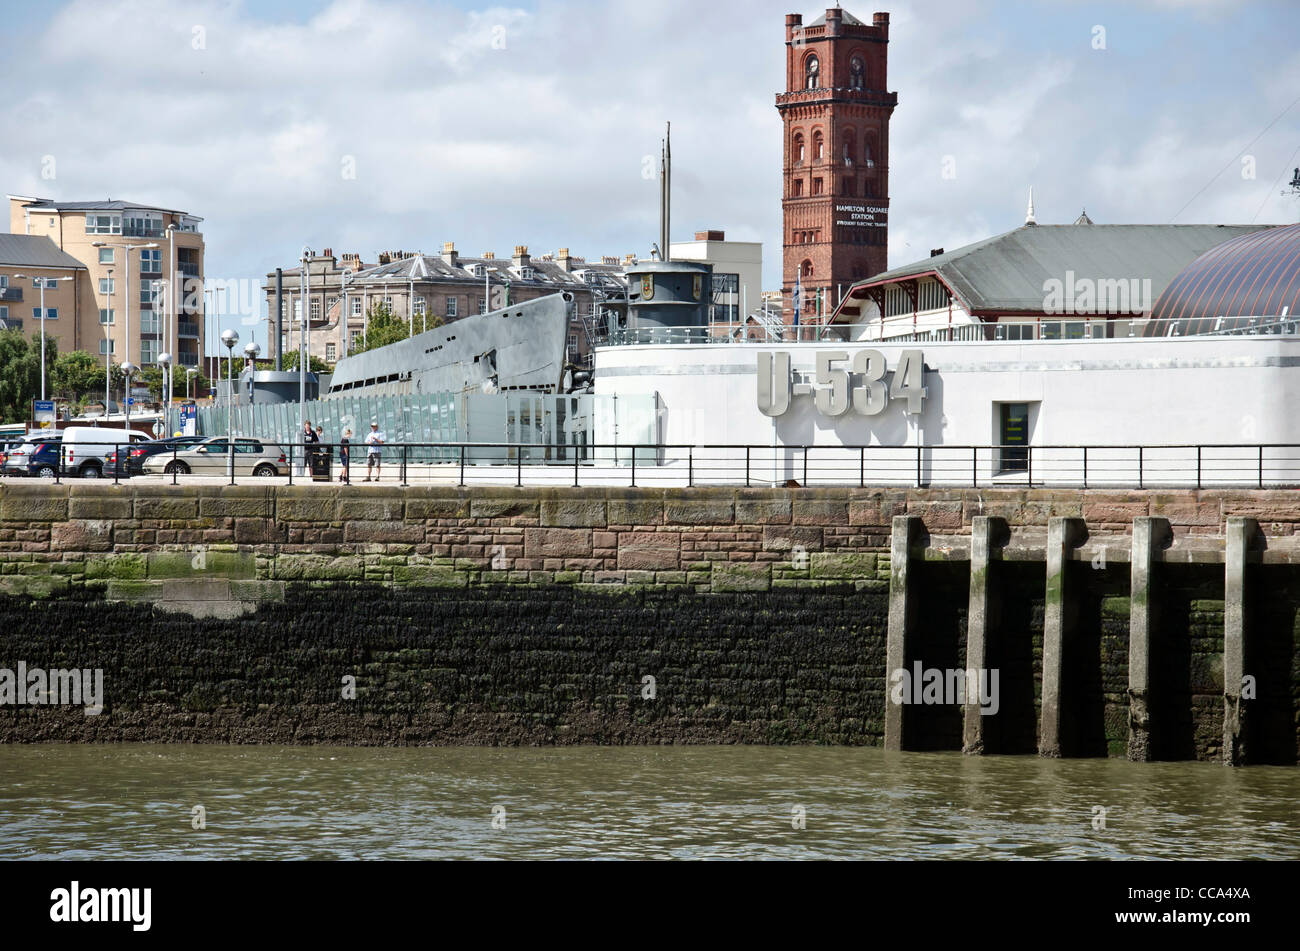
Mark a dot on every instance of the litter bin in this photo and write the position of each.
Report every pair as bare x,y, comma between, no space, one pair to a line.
321,460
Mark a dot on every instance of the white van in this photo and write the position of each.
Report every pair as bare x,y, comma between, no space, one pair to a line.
84,448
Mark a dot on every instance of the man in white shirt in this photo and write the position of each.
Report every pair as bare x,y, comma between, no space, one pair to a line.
374,447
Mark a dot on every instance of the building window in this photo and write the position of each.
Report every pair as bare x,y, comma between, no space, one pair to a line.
106,255
149,323
846,187
480,270
4,282
151,261
797,186
332,302
107,347
357,304
297,310
817,186
103,224
451,307
106,285
388,301
315,310
420,306
525,274
810,68
4,312
819,147
482,305
573,343
1014,430
331,352
148,294
797,148
356,341
857,73
51,313
148,351
106,315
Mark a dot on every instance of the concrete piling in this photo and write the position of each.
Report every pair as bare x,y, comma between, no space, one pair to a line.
1149,536
1063,534
905,532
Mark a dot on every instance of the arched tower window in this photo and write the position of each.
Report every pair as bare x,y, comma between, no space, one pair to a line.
806,269
857,73
847,149
819,148
797,147
810,75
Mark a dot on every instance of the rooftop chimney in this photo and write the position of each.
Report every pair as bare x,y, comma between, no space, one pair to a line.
489,255
449,256
562,258
521,257
710,236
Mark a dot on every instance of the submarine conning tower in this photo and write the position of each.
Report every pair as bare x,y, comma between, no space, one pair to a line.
669,294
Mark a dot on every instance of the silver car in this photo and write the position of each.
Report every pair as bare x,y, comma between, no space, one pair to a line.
210,457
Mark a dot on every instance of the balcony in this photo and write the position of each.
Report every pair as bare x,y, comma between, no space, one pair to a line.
11,323
139,231
11,295
187,358
186,328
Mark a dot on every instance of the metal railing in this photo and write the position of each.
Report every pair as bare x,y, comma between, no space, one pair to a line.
1271,465
1063,329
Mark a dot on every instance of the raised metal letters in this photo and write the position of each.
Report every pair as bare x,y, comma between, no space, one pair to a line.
861,385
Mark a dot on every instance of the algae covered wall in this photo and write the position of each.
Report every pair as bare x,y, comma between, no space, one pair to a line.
245,614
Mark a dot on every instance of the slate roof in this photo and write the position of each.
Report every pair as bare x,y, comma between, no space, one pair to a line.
847,18
38,204
21,250
432,268
1006,273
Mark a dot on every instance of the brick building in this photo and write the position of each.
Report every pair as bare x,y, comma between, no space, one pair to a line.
448,286
835,112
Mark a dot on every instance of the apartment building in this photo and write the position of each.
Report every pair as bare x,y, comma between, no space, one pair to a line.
141,292
34,273
448,286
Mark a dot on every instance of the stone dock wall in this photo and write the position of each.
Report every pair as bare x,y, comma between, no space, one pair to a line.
430,615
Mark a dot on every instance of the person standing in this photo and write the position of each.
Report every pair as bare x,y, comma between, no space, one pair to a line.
309,442
344,443
374,449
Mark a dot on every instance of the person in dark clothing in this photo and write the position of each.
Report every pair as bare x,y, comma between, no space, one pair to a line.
344,475
309,442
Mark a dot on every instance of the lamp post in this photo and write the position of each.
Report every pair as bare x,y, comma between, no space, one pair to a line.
128,370
189,375
347,333
164,361
44,281
230,338
304,327
216,324
127,285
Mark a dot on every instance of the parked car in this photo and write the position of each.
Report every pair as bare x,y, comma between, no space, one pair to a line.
84,448
209,457
134,458
38,457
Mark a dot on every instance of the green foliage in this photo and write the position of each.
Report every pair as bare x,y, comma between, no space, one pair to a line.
20,372
290,362
78,374
384,327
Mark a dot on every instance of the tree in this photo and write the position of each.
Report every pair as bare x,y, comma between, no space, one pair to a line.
290,362
384,327
78,374
20,372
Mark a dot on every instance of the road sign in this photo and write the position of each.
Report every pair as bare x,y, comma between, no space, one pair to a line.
43,414
130,401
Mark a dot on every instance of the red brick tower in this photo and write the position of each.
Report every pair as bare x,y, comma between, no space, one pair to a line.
836,115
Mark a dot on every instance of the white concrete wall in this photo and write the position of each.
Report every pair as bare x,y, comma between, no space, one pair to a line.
1122,392
744,258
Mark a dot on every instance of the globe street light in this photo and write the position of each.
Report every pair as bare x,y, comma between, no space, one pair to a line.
128,370
189,375
230,338
164,361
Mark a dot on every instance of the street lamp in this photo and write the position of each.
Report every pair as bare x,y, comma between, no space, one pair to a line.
128,370
127,286
44,281
189,375
304,328
230,338
347,333
164,361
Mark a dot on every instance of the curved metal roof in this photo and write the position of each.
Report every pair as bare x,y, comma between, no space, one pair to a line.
1255,274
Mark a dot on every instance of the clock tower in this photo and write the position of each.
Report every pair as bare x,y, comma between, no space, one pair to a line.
835,114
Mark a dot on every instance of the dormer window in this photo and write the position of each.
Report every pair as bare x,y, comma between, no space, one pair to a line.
525,274
811,79
480,270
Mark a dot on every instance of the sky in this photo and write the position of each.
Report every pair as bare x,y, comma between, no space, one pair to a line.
373,125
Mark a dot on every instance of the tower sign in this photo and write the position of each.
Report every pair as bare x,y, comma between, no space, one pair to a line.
835,115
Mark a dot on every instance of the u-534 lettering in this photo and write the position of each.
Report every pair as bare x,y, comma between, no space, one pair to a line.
842,382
